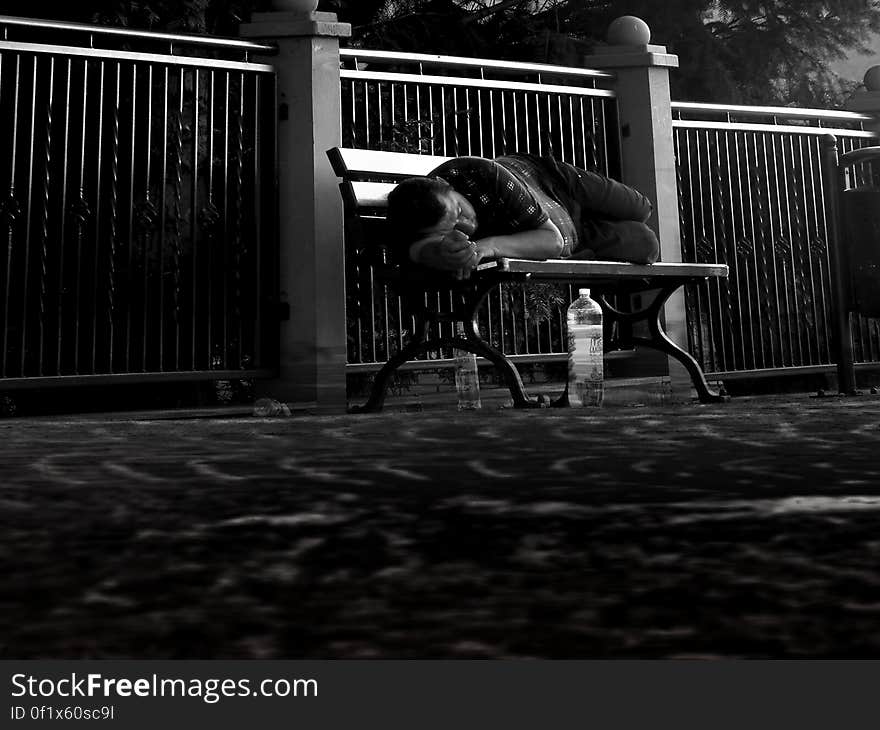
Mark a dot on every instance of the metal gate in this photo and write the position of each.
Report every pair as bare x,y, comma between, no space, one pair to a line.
137,220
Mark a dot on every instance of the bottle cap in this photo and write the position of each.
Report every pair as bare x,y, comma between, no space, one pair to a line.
584,292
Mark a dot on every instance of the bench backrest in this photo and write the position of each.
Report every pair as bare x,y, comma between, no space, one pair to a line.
368,176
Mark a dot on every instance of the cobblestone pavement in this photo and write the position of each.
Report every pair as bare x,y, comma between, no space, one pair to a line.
748,529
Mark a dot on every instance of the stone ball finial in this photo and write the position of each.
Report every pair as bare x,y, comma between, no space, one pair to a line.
628,30
872,78
295,6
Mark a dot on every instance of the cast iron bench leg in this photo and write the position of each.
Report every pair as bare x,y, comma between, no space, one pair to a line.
474,342
659,340
418,343
471,342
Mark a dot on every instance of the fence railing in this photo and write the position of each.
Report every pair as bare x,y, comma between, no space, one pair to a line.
449,106
138,211
751,196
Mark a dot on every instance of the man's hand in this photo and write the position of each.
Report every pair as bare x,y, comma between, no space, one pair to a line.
458,250
451,251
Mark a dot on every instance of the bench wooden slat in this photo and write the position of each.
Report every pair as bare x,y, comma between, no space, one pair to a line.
556,268
370,194
348,163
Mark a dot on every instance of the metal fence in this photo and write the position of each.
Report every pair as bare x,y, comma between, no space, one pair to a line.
138,214
750,193
751,196
450,106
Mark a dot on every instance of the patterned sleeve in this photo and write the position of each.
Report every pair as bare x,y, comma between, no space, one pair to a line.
504,204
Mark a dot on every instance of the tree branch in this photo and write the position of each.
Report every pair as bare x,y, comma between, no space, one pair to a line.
486,12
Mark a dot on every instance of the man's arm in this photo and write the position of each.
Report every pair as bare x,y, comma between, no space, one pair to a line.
456,252
543,242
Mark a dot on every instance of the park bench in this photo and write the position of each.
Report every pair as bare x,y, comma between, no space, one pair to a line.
367,177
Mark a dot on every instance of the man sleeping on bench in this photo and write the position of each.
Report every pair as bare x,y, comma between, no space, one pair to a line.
471,209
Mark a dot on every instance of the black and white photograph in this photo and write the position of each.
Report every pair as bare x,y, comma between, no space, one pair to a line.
381,330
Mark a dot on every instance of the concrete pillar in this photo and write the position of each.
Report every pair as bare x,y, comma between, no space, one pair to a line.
648,152
312,254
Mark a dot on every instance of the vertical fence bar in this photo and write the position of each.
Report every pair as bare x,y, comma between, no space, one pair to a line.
99,161
12,209
81,214
147,221
794,242
224,242
177,182
258,222
163,221
114,224
237,194
62,220
733,248
28,219
44,230
230,215
207,218
193,228
130,218
809,283
824,253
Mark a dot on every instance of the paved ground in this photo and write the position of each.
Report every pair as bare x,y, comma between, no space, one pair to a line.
741,530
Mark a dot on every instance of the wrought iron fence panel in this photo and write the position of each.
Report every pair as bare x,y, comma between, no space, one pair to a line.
137,214
455,106
751,195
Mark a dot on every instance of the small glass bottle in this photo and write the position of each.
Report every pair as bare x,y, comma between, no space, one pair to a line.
467,376
586,384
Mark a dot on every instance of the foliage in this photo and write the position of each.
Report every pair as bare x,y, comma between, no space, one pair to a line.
535,301
732,51
220,17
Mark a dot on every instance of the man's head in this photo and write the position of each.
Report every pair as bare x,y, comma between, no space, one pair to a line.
423,207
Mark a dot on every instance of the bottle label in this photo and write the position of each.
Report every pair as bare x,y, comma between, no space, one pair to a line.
586,386
585,316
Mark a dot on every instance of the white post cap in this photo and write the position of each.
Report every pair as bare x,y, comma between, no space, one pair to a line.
628,30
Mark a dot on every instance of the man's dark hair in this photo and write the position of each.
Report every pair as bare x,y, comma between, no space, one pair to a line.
414,205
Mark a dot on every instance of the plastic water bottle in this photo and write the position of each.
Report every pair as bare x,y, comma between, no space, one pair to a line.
586,383
467,376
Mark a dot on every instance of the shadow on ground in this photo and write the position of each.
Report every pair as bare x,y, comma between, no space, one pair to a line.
748,529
